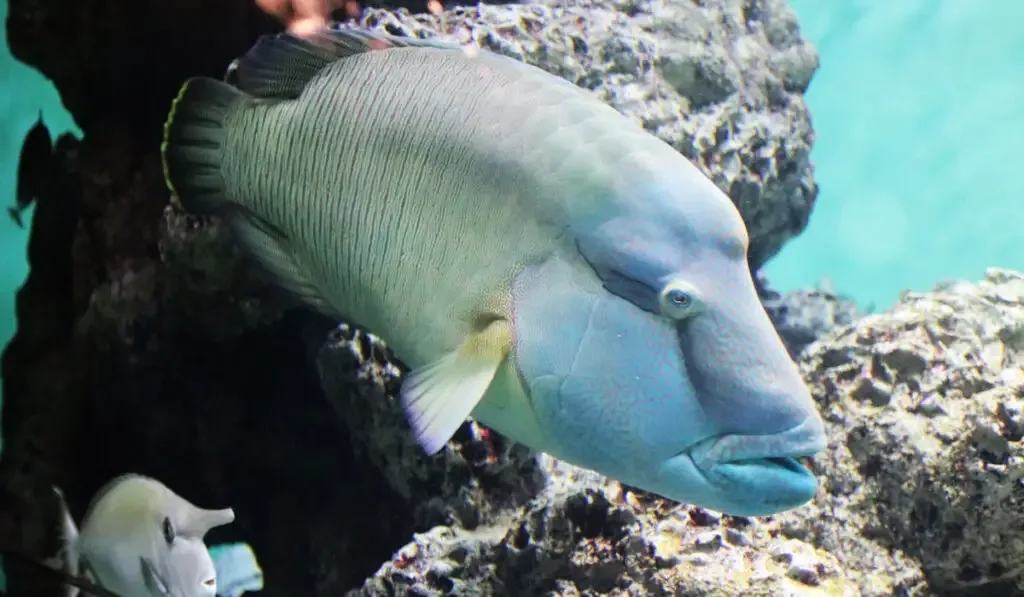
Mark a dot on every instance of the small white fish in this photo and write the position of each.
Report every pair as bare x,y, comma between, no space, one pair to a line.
140,539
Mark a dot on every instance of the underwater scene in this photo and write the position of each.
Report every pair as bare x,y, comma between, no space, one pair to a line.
575,298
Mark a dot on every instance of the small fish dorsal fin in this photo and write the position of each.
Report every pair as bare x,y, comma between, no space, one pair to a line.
279,66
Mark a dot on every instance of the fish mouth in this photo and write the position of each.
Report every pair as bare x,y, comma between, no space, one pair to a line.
768,470
782,468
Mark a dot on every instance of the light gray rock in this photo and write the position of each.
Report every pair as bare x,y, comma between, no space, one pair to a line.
586,535
924,405
720,80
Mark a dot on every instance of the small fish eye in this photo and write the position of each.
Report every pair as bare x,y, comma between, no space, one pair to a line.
680,298
168,531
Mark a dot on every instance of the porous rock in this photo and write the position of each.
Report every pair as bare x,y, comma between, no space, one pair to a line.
924,407
722,81
804,315
587,535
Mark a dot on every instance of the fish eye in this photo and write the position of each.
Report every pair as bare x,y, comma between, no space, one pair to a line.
679,300
168,531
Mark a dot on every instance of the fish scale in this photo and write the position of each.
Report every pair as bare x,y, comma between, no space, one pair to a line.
375,163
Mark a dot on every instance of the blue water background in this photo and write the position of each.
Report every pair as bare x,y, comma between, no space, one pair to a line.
919,110
25,95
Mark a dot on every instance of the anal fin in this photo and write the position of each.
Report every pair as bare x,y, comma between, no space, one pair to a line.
438,397
272,250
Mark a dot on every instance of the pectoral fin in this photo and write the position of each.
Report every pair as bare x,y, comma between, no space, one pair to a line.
438,397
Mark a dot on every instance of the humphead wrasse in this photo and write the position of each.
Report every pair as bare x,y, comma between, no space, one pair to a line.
539,261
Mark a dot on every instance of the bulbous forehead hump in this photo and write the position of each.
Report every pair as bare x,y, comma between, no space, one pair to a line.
700,216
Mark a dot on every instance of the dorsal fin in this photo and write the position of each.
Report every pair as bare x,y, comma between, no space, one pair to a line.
279,66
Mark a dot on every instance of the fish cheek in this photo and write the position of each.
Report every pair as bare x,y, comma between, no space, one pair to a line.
551,310
626,399
608,382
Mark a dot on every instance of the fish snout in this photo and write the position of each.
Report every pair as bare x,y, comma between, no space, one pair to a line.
742,374
759,475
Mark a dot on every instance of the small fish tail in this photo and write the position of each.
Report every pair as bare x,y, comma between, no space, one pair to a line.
192,144
238,570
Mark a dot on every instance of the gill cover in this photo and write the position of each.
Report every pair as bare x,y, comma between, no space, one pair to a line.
606,378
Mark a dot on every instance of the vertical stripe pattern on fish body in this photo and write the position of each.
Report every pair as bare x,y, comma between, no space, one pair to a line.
401,202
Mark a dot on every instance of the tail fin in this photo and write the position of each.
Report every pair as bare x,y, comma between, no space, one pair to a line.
238,571
192,146
70,559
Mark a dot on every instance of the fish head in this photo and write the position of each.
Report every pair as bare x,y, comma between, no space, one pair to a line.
648,357
185,570
177,561
187,564
137,519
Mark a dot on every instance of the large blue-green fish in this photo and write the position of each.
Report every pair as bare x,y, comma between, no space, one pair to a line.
538,260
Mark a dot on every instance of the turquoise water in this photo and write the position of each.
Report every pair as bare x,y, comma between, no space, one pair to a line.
24,95
35,95
917,106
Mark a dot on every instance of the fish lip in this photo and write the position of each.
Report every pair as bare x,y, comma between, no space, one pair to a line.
735,462
801,441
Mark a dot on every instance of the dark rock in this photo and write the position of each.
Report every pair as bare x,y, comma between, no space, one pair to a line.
480,474
803,316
